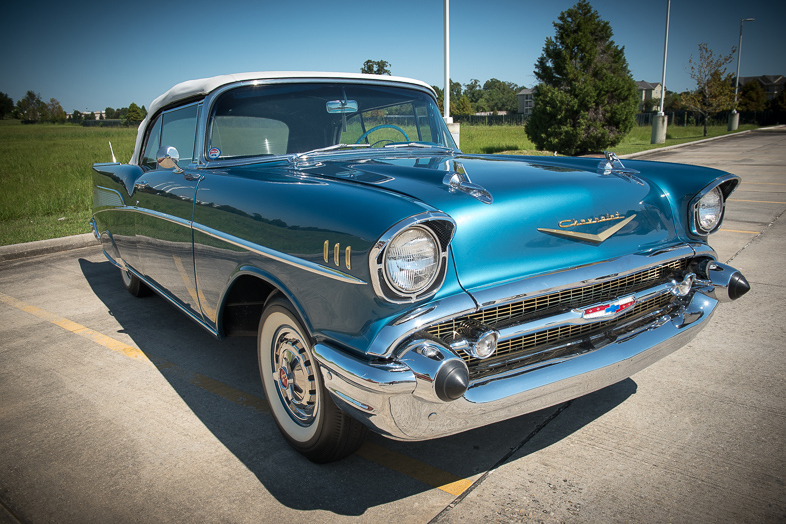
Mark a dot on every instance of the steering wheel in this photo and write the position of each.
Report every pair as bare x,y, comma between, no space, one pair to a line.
391,126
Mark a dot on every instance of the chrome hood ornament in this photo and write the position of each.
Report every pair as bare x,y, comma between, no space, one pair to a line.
612,165
457,179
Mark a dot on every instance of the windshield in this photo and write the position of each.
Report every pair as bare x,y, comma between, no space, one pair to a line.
283,119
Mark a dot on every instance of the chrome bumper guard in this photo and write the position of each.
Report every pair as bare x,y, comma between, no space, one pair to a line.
395,397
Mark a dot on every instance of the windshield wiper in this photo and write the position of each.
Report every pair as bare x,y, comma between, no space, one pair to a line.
334,147
415,144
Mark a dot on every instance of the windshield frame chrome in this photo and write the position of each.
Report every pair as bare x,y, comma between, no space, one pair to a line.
295,158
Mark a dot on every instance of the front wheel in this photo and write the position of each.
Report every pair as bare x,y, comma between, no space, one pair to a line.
133,285
302,408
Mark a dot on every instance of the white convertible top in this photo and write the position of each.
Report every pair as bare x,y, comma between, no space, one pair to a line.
203,86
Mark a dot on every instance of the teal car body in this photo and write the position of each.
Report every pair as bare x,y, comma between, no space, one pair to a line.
392,281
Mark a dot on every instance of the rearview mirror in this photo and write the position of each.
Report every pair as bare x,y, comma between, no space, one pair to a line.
342,106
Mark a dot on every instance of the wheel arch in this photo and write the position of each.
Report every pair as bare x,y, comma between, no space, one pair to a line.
244,300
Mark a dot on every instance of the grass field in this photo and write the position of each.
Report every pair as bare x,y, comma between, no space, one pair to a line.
513,139
45,181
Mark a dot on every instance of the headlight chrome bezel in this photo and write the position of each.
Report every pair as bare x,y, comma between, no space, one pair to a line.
722,187
440,228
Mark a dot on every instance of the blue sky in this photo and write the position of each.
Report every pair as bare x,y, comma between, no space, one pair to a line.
93,54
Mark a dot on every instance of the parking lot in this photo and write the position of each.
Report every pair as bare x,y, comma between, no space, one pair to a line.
121,409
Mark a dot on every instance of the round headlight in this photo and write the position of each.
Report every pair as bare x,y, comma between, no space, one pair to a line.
412,260
709,211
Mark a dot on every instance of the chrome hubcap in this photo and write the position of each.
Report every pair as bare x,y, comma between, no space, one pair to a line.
294,376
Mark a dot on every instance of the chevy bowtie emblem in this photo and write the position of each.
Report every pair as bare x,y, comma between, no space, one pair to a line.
608,310
588,237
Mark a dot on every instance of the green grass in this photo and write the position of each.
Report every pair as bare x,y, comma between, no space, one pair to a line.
45,176
513,139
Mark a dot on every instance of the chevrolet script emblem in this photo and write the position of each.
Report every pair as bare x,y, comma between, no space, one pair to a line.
587,237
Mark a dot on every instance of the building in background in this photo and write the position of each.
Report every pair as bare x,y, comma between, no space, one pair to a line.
647,91
526,101
772,84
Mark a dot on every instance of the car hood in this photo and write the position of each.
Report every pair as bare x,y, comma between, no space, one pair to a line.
537,206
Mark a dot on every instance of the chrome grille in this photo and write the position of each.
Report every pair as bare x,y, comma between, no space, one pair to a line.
538,307
563,340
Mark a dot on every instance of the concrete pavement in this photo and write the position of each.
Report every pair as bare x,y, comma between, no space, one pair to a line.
115,408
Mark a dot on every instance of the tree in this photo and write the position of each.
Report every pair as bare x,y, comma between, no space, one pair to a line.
752,97
76,117
673,101
135,114
586,100
778,103
500,96
6,105
376,67
714,91
31,107
463,105
55,112
474,91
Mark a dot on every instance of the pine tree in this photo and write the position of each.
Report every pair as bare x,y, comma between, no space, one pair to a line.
586,101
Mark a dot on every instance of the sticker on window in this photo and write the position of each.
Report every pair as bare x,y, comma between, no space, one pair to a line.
214,153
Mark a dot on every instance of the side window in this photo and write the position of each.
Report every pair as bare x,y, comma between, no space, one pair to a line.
179,130
152,145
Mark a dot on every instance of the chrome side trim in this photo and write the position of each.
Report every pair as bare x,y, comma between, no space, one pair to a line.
299,263
163,295
163,216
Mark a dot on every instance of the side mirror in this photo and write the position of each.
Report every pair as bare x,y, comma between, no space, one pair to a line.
168,157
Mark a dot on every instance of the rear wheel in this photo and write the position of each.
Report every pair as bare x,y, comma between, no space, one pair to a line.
301,406
132,283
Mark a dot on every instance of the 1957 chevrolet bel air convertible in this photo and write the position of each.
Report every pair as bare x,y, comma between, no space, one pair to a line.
392,281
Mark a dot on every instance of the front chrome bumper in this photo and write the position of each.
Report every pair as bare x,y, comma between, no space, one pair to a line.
393,397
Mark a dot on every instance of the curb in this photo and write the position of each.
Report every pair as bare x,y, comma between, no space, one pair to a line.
43,247
695,142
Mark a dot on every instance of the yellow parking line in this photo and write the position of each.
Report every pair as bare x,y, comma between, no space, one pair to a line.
738,231
77,329
414,468
208,384
390,459
756,201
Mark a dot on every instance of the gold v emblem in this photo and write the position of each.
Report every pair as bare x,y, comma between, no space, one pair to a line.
595,239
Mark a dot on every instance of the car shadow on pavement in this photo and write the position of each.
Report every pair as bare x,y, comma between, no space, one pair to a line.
384,471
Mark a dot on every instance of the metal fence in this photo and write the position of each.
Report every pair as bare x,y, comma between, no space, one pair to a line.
694,118
515,119
676,118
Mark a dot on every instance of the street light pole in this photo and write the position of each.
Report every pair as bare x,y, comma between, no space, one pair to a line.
454,128
446,93
734,118
661,121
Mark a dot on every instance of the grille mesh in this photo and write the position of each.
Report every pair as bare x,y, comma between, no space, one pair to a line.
568,299
536,347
